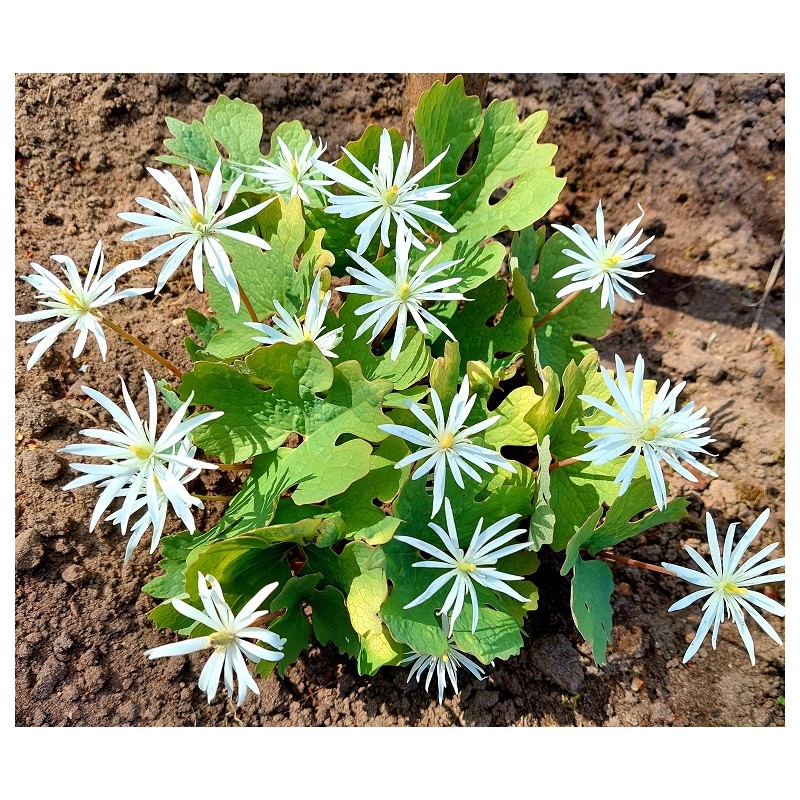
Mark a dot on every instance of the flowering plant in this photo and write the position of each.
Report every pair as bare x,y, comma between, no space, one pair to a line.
399,485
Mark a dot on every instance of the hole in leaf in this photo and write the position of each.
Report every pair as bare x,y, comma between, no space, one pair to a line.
468,158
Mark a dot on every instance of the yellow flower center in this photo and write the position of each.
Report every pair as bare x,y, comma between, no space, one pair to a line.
391,195
611,262
219,640
650,432
732,588
404,292
308,337
196,219
141,451
445,658
71,300
446,441
467,567
293,167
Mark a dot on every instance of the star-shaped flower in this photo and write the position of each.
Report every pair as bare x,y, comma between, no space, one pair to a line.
196,223
444,666
466,569
78,303
139,458
293,173
401,296
292,331
726,585
387,194
147,520
445,444
605,263
229,640
659,433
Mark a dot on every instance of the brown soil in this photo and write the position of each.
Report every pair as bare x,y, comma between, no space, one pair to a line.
703,153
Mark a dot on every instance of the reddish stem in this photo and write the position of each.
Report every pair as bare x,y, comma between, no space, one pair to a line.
630,562
550,314
565,463
166,363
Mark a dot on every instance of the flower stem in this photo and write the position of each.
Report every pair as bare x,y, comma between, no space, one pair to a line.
630,562
247,304
550,314
265,620
232,467
565,463
380,251
141,345
214,498
379,338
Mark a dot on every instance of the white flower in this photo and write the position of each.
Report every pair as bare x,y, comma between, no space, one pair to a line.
602,263
292,331
388,194
445,666
401,296
77,303
445,444
465,569
660,433
229,640
726,585
146,520
194,224
292,174
139,459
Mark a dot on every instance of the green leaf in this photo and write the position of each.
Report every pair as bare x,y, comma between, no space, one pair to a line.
294,136
447,119
289,388
268,276
508,151
544,519
294,626
331,621
446,373
204,327
526,247
592,585
323,531
498,496
560,423
512,429
175,549
617,525
419,627
255,503
497,635
583,316
192,144
169,394
359,573
577,489
481,336
243,565
412,364
361,515
237,126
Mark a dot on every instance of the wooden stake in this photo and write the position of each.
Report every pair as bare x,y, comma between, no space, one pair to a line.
417,83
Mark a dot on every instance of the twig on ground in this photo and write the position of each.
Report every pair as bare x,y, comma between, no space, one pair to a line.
773,276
